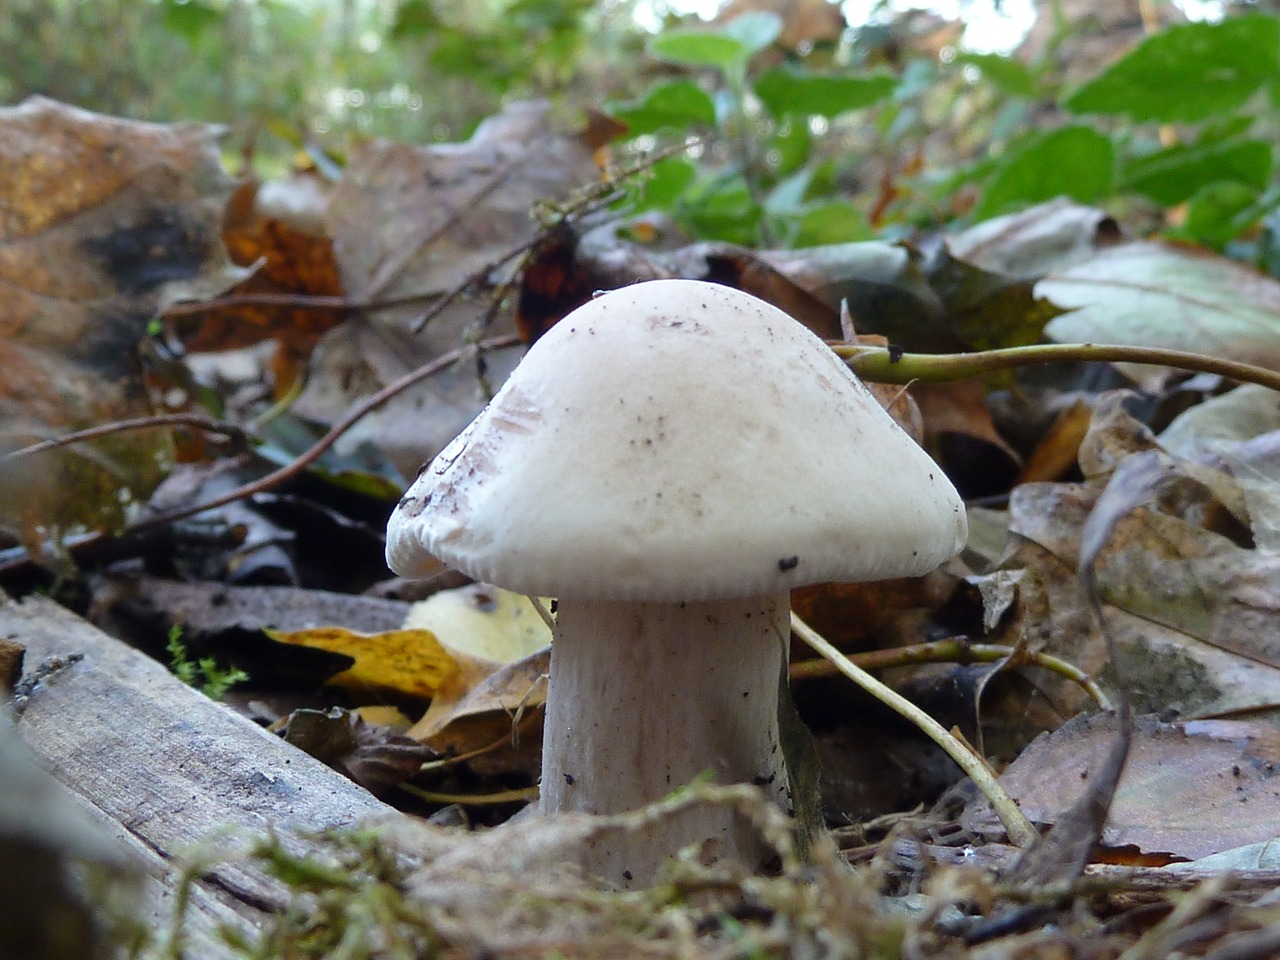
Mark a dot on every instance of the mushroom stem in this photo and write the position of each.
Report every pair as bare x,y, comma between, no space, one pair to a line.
676,691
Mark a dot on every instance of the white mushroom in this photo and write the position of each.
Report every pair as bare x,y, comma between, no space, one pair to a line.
670,460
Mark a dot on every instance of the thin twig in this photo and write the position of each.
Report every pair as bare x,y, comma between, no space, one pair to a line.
1015,822
517,795
302,461
542,611
317,449
234,433
462,286
300,301
392,268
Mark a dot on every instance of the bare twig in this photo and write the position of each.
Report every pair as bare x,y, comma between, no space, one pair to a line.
300,463
234,433
356,413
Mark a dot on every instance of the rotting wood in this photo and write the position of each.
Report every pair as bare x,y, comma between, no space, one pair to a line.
164,767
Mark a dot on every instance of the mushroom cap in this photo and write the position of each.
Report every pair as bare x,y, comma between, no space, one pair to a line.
678,440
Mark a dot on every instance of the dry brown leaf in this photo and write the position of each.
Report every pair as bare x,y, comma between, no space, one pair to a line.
106,222
1059,449
1188,588
1188,789
411,221
1246,412
959,407
1030,243
287,260
848,614
481,709
372,755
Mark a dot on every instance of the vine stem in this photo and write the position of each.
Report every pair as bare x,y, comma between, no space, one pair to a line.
891,365
232,432
1020,829
956,650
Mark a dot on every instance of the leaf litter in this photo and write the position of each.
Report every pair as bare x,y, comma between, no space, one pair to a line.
1182,532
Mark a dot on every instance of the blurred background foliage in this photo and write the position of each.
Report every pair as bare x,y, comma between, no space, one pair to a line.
802,122
413,70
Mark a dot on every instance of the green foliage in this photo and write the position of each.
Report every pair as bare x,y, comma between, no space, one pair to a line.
1222,211
1187,73
189,19
1175,174
407,69
1075,161
1011,76
793,91
678,104
204,674
786,141
774,144
728,49
777,187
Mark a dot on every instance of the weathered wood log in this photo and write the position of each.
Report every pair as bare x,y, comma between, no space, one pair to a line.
162,767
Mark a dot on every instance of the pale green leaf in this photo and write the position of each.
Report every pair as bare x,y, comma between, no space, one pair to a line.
1161,295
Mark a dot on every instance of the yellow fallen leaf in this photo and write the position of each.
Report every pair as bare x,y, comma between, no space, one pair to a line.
408,663
482,621
385,715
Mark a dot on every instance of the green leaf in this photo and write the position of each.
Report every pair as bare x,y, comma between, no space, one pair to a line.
480,59
680,104
189,18
721,208
1171,176
789,147
788,196
1187,73
697,48
827,222
1076,162
1007,74
1221,212
1223,128
414,19
667,180
727,48
792,90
